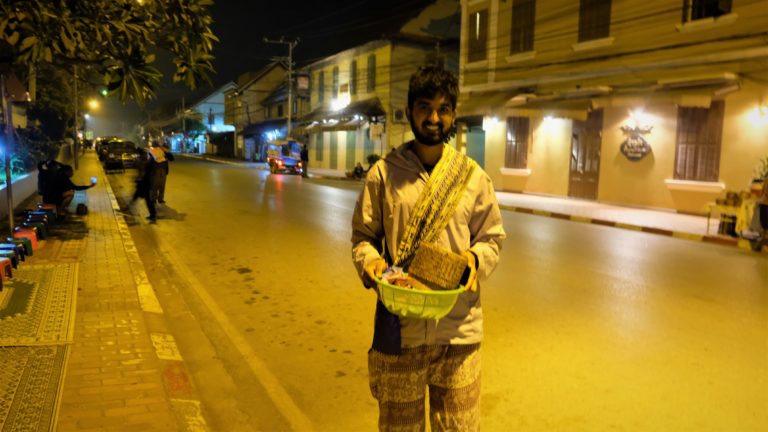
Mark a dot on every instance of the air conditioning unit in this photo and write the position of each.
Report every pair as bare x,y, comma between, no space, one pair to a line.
398,115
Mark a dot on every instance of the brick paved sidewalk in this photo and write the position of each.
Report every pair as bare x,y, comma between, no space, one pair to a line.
123,372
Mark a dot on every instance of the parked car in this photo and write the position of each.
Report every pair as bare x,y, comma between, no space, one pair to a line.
284,156
100,145
119,155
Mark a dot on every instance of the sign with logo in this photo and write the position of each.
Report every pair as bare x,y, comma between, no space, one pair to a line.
635,147
302,82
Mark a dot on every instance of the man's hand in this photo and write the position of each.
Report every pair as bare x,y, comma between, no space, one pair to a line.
373,271
471,283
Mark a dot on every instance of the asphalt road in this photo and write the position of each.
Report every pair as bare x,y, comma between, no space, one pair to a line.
587,327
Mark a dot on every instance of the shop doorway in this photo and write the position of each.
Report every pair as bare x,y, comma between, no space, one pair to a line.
476,144
334,150
351,147
586,139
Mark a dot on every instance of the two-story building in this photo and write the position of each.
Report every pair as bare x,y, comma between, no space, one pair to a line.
358,96
652,103
209,113
258,107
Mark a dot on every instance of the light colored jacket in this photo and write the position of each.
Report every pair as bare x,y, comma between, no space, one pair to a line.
391,190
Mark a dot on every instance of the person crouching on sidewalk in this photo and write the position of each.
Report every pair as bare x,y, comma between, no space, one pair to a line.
62,190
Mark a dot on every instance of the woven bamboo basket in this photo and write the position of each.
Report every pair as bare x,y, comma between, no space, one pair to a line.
436,267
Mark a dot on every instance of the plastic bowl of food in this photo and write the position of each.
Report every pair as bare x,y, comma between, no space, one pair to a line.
417,303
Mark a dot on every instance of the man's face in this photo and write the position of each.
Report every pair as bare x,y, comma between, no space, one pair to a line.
431,119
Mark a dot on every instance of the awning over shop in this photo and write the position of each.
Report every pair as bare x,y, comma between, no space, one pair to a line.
257,128
368,108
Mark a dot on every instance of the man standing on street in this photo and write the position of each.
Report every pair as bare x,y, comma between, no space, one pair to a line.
161,155
427,191
304,161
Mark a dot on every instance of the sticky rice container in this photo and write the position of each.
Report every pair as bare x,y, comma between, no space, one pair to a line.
415,303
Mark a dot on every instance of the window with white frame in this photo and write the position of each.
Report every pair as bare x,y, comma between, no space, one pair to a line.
699,9
594,19
523,25
516,154
478,36
697,148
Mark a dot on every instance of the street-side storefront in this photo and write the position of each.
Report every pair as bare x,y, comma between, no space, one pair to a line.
638,150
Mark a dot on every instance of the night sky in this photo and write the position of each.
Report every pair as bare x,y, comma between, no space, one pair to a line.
324,28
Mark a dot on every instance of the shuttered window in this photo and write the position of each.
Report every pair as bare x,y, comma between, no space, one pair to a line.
523,25
516,155
320,86
594,19
699,134
371,87
335,86
699,9
478,36
353,78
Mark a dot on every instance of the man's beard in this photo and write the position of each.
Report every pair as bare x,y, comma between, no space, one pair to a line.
432,140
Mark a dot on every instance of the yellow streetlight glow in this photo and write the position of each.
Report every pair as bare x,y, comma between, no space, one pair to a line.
93,103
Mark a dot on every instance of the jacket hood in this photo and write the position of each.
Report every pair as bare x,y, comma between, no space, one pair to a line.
404,158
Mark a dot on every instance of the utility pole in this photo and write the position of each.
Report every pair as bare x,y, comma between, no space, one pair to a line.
291,46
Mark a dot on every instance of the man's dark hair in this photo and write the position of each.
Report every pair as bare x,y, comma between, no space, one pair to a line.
429,81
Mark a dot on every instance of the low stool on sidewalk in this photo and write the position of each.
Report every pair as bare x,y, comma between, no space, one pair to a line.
42,231
23,242
38,214
6,272
50,209
28,234
39,219
19,249
10,255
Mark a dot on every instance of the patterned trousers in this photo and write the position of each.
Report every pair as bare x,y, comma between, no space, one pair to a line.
451,372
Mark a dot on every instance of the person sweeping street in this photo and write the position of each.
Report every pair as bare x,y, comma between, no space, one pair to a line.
423,192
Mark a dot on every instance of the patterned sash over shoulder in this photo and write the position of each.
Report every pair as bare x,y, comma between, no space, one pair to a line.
436,204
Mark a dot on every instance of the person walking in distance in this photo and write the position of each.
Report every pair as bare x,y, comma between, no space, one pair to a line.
304,161
426,191
161,155
145,181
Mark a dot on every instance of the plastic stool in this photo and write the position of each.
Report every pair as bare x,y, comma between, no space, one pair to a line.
5,269
50,209
41,230
23,242
19,249
28,234
38,216
10,255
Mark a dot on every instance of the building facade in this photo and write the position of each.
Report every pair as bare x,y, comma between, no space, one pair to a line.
358,96
258,107
651,103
